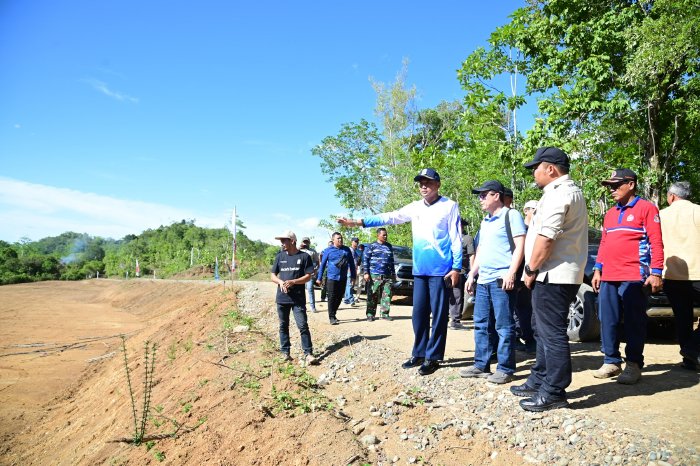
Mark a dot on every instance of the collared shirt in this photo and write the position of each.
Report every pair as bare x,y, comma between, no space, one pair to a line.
337,262
631,246
378,259
493,255
561,216
680,228
437,242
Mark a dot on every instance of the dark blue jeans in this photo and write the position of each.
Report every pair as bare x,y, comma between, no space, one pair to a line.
283,311
551,373
493,317
615,301
430,297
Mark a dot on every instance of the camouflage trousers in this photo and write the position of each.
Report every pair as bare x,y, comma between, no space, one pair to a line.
379,292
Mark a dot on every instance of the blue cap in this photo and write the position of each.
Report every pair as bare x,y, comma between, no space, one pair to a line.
429,173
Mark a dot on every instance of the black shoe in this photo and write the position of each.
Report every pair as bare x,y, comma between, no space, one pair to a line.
370,318
523,390
334,321
695,359
690,364
413,362
428,367
540,403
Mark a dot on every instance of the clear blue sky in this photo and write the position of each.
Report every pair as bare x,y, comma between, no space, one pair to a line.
121,115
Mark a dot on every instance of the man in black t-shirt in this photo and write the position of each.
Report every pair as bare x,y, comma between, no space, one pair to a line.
291,269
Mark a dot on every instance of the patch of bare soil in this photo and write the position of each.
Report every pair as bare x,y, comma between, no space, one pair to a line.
226,393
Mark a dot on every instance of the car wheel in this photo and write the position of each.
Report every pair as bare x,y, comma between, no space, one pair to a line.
583,322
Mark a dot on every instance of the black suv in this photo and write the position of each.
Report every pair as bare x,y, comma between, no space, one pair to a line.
583,312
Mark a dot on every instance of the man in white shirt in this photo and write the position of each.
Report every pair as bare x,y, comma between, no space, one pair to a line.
556,249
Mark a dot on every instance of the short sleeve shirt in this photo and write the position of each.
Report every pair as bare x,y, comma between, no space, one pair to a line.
289,267
495,256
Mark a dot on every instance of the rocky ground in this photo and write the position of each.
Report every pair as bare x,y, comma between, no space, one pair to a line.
413,419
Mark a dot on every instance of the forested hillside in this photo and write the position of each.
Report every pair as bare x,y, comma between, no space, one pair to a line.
162,252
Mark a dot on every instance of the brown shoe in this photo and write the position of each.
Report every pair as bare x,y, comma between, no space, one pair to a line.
607,370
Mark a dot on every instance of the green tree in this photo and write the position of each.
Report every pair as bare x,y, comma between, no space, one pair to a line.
616,81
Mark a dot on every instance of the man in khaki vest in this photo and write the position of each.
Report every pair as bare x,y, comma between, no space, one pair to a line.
680,228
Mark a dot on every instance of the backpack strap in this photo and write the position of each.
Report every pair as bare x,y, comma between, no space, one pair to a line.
509,232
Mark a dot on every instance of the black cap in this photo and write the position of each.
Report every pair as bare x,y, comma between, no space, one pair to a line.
355,238
491,185
620,175
549,154
507,192
429,173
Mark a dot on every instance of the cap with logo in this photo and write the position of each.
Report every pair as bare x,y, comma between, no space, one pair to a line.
621,175
289,234
429,173
491,185
549,154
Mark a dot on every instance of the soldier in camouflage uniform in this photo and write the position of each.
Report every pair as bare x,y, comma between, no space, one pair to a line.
378,263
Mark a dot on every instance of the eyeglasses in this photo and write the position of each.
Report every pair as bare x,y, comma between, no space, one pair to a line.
483,196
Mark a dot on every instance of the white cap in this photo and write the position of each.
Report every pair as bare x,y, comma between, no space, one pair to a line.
530,205
289,234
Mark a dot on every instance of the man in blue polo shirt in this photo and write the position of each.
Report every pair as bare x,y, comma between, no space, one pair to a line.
496,267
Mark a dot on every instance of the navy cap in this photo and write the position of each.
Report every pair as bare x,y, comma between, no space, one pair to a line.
620,175
355,239
549,154
507,192
429,173
491,185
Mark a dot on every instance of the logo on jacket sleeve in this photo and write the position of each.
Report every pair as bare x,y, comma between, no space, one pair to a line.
657,219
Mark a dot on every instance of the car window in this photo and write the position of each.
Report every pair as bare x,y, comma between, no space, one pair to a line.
402,252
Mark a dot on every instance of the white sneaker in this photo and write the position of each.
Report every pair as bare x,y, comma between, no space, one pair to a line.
607,370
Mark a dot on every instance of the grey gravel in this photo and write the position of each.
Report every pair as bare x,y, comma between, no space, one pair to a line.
466,409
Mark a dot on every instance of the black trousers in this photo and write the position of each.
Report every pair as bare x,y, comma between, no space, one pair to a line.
551,373
681,294
336,291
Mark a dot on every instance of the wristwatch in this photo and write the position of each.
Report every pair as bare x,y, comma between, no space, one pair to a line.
529,272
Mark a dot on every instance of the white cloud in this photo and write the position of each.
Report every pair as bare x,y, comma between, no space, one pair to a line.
279,222
36,211
103,88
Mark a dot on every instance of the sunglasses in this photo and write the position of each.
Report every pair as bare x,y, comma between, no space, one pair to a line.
616,186
483,196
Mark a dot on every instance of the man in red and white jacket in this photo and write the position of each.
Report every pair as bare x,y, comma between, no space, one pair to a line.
628,267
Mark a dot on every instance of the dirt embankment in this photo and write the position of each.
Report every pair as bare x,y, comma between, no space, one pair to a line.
65,399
